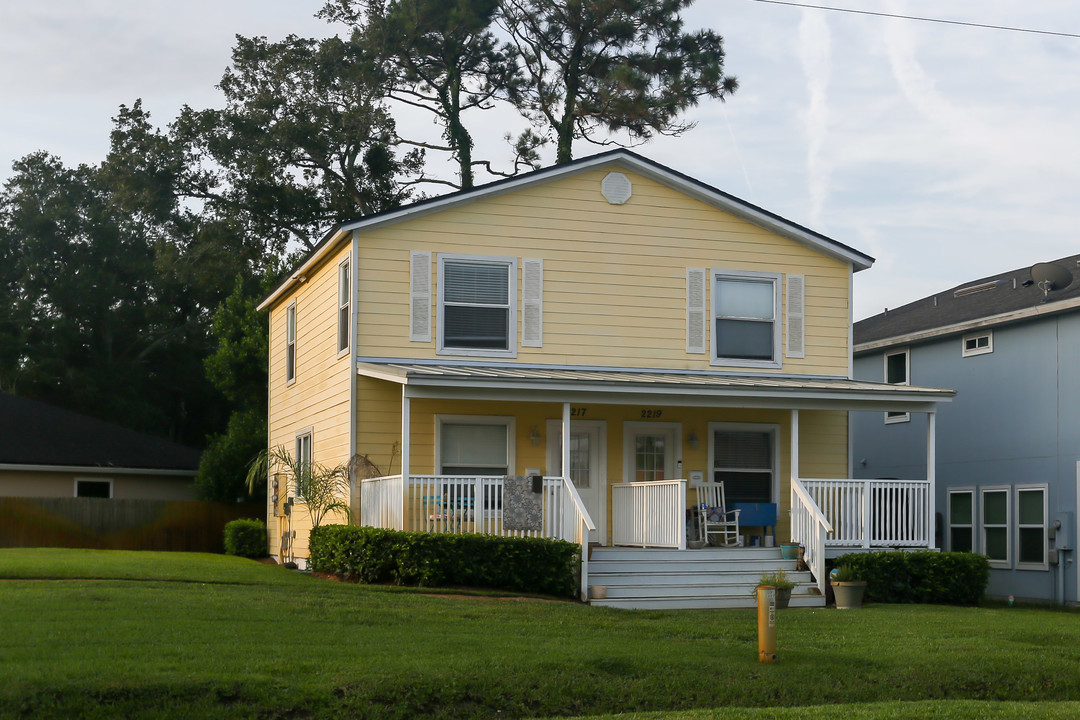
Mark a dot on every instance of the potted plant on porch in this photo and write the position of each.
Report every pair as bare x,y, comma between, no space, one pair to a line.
847,587
783,584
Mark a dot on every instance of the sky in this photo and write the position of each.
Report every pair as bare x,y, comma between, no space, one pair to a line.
946,152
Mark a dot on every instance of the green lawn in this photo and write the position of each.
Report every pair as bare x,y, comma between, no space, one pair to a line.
148,635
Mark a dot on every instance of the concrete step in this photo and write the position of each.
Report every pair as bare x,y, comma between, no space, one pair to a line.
702,603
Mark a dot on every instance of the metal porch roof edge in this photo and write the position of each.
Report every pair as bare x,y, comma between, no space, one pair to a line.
631,160
644,381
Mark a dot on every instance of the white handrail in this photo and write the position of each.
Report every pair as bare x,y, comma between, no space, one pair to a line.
582,527
808,528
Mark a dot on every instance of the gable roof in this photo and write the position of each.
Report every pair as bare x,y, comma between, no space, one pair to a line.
987,302
37,434
623,158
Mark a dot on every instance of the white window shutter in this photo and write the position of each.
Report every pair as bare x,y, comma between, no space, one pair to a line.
796,316
420,296
532,302
696,316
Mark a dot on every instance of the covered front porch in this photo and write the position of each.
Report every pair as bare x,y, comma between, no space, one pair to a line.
638,446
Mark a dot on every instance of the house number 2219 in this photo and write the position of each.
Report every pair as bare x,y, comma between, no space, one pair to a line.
651,414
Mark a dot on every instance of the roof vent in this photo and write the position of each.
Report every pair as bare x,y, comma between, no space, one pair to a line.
972,289
616,188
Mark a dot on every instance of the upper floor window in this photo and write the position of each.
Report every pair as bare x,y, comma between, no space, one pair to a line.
290,343
746,331
978,344
343,307
477,299
897,372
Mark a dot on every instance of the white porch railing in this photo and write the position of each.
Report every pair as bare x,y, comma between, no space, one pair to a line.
809,528
875,513
380,503
649,514
472,504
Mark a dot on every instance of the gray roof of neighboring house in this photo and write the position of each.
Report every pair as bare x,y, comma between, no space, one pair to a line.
985,302
34,433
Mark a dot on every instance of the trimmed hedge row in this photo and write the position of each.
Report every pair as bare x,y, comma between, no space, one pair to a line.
375,555
246,538
924,576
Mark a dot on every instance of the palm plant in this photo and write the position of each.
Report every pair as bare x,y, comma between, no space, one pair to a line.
319,487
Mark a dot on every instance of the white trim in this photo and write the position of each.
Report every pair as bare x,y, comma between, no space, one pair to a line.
777,281
988,334
1044,488
894,416
419,296
774,431
75,486
91,469
290,313
511,264
968,490
345,265
354,299
697,311
1042,309
632,427
508,421
1005,564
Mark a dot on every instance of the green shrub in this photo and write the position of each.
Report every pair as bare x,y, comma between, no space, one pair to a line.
373,555
246,538
921,576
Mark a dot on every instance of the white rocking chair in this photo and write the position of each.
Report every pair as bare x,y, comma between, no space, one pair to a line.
719,526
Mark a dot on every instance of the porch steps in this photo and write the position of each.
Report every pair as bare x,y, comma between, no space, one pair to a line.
637,578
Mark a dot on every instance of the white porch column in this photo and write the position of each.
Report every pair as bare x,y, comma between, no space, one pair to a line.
794,459
566,439
931,476
405,447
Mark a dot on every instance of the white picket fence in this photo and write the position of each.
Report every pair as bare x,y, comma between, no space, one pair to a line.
649,514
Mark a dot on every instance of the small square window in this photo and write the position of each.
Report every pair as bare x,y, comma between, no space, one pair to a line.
93,489
978,344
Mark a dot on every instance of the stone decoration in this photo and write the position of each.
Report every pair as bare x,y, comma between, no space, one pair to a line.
523,509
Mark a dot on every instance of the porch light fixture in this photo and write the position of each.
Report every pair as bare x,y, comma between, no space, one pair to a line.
692,439
534,436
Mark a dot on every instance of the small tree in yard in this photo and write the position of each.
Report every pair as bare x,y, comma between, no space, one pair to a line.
319,487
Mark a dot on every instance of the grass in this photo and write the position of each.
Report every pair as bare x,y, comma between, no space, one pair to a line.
99,634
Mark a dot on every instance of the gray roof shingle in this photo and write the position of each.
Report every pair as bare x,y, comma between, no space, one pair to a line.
33,433
979,299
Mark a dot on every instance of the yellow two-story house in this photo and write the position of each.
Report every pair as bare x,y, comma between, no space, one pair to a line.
625,331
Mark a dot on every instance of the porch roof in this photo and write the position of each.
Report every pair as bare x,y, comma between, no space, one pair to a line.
620,386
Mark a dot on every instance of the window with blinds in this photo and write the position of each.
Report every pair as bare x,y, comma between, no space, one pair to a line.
745,311
743,460
476,305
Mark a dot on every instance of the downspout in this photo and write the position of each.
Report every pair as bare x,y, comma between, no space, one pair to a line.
354,316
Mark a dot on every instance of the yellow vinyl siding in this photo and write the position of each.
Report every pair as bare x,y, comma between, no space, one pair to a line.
614,276
318,399
823,443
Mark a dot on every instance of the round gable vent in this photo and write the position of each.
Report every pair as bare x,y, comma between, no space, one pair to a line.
616,188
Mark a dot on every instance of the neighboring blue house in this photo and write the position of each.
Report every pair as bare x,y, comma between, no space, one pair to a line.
1008,446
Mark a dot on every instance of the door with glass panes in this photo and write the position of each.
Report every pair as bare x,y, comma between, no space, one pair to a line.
587,462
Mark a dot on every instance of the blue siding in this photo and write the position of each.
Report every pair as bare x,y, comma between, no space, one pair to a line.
1015,421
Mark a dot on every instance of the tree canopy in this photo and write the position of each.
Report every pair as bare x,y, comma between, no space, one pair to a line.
130,286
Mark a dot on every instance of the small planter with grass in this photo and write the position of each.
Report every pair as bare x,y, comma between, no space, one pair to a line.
848,587
783,584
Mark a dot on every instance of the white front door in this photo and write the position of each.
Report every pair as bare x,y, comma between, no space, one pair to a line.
651,451
588,459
